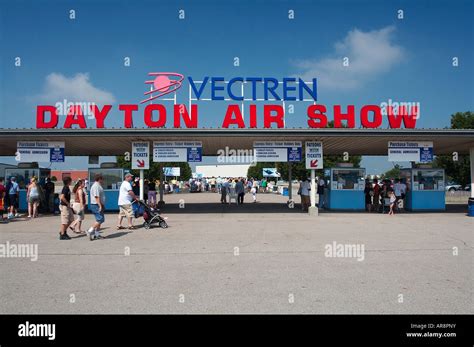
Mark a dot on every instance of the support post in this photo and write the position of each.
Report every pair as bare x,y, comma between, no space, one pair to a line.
141,184
290,185
313,210
471,158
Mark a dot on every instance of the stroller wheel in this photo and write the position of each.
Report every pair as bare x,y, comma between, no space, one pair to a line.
163,224
146,225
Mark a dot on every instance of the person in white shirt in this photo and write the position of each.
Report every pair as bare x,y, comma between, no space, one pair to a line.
126,197
97,207
305,187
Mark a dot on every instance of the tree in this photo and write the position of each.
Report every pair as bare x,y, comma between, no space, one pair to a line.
392,173
457,171
156,169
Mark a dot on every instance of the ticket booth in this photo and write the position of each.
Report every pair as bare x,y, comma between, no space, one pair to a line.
346,189
113,178
23,173
426,189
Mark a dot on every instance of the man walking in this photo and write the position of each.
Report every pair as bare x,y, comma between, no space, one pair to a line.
67,216
320,191
224,190
126,197
305,187
240,191
97,207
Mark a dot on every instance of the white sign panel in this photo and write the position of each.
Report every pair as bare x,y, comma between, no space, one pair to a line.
172,171
40,151
314,155
420,152
177,151
140,155
277,151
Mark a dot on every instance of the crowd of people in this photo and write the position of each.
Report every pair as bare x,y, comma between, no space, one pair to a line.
71,203
388,194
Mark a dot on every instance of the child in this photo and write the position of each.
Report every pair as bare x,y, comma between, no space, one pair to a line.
254,193
393,199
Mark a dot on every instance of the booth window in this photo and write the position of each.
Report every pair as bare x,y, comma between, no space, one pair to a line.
112,177
22,176
350,179
428,180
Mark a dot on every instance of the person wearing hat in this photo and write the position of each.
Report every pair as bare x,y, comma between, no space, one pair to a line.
126,197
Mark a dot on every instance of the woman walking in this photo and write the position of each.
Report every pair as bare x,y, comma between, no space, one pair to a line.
33,198
78,206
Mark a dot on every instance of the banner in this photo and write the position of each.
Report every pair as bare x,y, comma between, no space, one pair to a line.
278,151
177,151
420,152
40,151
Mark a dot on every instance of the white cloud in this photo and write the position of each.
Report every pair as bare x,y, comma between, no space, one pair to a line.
370,54
78,88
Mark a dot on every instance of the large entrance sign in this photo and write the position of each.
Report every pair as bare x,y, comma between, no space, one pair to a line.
140,155
237,91
277,151
43,152
314,155
420,152
177,151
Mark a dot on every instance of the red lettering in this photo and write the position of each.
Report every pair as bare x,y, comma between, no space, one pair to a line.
128,116
161,121
75,116
190,122
269,118
41,123
339,117
253,116
317,116
409,120
364,116
100,115
228,119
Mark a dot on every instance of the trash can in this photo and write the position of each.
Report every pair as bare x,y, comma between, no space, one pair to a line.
470,210
285,191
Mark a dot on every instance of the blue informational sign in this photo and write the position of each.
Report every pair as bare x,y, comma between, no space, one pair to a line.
426,155
56,155
194,154
294,153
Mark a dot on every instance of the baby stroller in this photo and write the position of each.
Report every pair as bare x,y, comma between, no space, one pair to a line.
150,215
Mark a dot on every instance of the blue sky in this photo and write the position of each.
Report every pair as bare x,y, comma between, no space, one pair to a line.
407,60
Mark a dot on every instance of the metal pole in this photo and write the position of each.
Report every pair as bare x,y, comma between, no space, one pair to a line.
290,187
313,210
161,202
141,183
471,152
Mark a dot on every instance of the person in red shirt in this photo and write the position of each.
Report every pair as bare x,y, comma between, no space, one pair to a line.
3,192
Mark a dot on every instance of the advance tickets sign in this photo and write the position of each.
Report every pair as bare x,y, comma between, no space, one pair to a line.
314,155
277,151
44,152
172,171
420,152
177,151
140,155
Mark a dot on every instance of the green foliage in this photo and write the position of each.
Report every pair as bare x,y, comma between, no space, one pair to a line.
457,171
156,168
392,173
256,171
